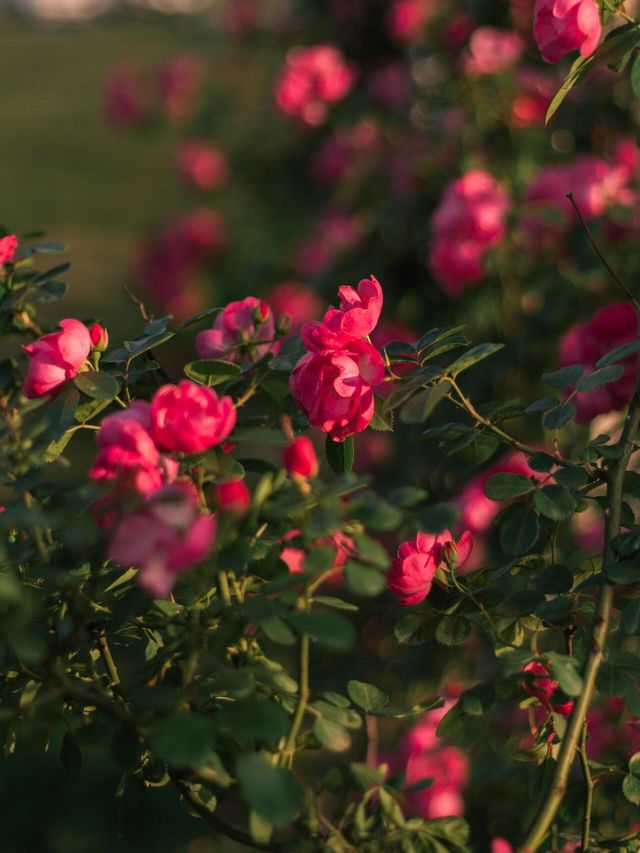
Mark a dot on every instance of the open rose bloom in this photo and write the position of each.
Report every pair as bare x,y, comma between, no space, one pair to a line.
562,26
56,358
414,569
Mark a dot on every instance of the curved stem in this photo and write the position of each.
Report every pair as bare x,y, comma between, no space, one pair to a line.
588,797
468,594
286,756
569,746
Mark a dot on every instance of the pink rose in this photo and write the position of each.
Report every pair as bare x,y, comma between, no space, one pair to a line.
414,568
406,19
501,845
189,418
589,340
530,105
168,535
491,51
313,78
232,496
56,358
300,458
237,332
470,219
561,26
202,165
543,687
449,769
8,246
359,310
128,452
334,387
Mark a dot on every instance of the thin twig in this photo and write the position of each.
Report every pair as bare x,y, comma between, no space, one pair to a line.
286,756
588,796
605,263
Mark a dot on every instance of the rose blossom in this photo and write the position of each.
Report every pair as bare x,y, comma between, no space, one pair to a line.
406,19
491,51
245,329
168,535
294,557
190,418
334,385
202,165
313,78
8,246
562,26
56,358
543,687
470,219
586,342
300,458
128,452
414,568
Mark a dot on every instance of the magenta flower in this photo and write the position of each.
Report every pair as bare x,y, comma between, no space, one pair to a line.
8,246
244,330
561,26
189,418
56,358
414,568
491,51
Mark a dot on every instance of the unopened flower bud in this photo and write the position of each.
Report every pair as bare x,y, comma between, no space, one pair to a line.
300,458
283,325
99,337
261,313
232,496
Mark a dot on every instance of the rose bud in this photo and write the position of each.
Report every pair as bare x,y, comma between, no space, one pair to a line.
99,338
261,313
300,458
283,325
232,496
8,246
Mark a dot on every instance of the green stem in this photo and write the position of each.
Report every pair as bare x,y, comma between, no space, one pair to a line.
588,796
286,756
223,587
109,662
551,804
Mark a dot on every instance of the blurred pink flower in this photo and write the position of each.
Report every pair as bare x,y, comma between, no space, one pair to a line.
406,19
202,165
586,342
166,536
333,234
126,104
491,51
297,301
530,105
179,82
312,79
243,331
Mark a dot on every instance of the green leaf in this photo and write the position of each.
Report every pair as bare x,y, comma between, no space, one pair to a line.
331,735
367,696
371,552
422,404
412,629
253,720
211,372
271,791
520,531
566,377
564,669
340,455
554,502
382,421
452,631
624,350
471,357
631,617
503,486
99,386
634,77
365,581
330,630
51,291
611,373
559,416
182,739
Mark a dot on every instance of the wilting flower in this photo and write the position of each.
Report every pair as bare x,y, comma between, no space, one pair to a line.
414,568
166,536
561,26
56,358
190,418
243,331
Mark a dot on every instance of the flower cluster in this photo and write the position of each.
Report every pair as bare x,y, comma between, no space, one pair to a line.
469,220
313,78
157,522
334,382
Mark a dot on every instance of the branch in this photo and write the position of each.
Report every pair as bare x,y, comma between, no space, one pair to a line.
588,795
600,630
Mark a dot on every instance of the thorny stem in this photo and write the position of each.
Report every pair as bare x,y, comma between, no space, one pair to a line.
549,807
466,592
588,796
109,662
286,756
